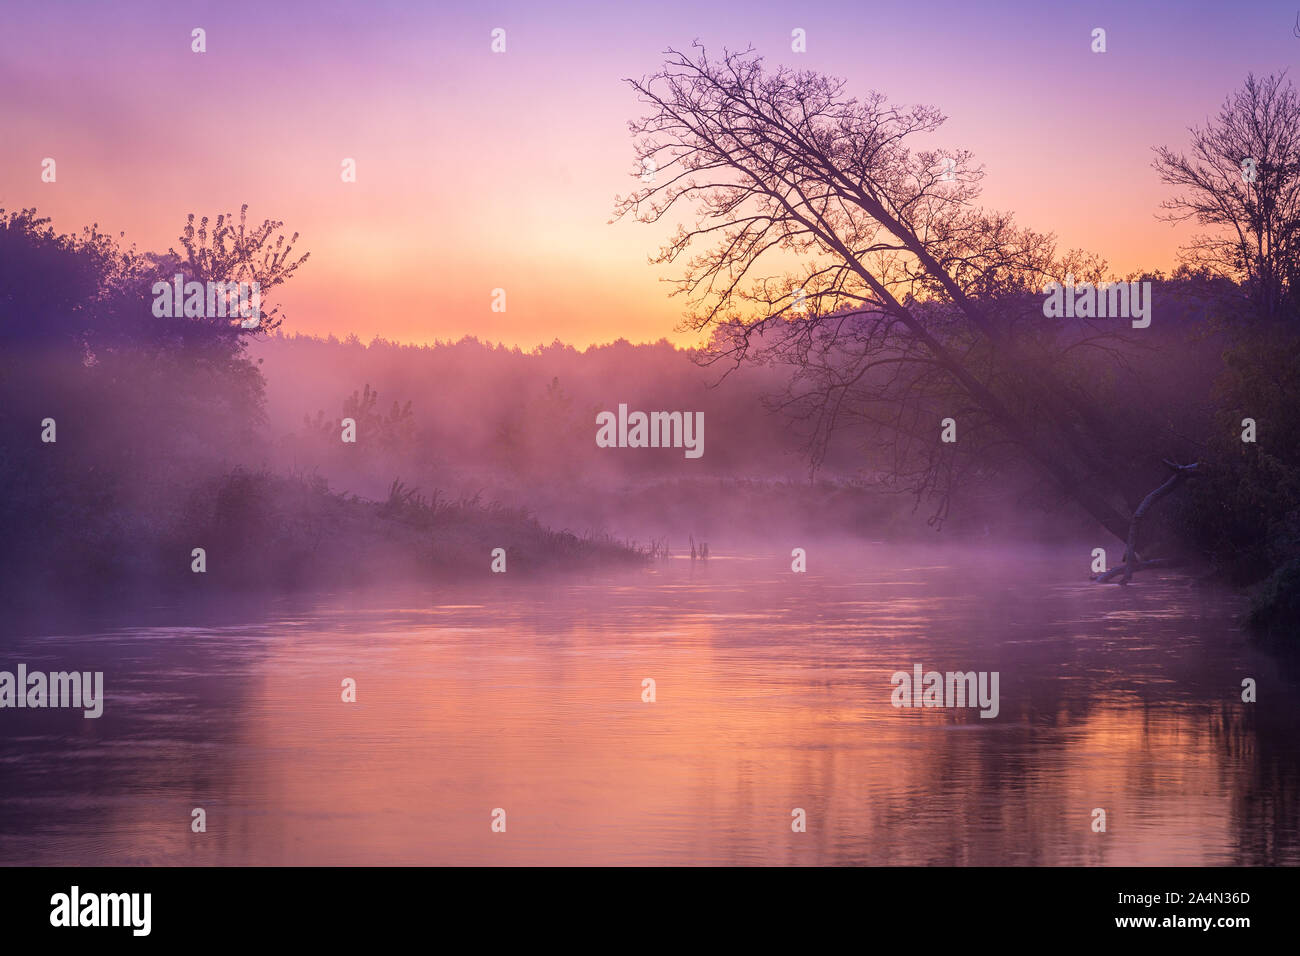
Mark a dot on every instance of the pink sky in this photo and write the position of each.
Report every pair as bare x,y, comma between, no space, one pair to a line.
478,170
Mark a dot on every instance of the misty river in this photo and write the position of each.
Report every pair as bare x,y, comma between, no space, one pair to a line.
772,693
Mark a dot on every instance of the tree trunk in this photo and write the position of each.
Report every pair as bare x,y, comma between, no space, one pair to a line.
1132,562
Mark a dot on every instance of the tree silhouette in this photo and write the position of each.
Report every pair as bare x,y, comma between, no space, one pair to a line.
908,303
230,253
390,432
1242,179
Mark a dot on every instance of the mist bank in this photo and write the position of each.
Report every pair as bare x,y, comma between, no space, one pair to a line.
185,455
523,428
136,463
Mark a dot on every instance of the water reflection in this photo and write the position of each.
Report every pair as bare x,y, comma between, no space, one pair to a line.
772,693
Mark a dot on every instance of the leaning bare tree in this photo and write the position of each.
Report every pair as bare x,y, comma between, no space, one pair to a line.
820,237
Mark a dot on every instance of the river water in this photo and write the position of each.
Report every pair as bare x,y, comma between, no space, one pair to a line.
772,693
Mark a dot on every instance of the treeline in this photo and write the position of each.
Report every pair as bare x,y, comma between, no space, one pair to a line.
135,455
130,440
519,425
526,415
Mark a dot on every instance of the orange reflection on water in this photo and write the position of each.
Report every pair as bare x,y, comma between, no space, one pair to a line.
772,694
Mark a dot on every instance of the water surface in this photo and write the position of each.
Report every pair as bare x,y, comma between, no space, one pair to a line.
772,693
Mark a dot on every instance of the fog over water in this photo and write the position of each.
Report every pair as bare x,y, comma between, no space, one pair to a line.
834,585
